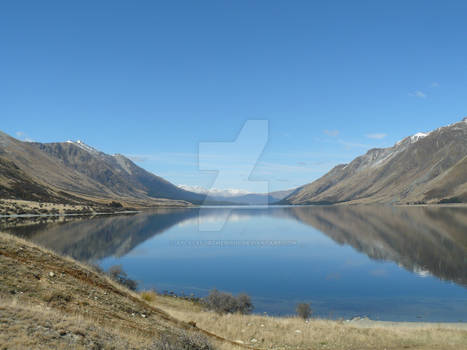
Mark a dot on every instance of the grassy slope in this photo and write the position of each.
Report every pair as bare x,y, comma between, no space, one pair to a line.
68,174
53,302
264,332
11,207
47,301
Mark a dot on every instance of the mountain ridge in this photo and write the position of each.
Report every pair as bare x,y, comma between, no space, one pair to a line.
423,168
73,172
60,171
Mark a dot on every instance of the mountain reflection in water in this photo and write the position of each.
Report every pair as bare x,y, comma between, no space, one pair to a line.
426,241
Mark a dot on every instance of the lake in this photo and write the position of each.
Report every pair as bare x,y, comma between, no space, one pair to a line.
387,263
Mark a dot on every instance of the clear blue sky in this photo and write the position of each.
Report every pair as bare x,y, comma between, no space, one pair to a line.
153,79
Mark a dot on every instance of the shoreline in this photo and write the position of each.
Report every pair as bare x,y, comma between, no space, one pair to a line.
18,208
37,285
291,332
364,321
51,213
26,216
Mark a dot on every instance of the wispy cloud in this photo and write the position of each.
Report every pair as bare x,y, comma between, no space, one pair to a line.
434,84
376,136
22,136
178,158
137,159
353,144
333,133
418,94
272,168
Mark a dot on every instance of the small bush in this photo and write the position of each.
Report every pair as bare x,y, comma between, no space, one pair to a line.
304,310
244,304
118,275
226,303
115,204
148,295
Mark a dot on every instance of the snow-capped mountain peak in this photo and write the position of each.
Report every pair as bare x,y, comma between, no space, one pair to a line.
412,139
418,136
231,192
84,146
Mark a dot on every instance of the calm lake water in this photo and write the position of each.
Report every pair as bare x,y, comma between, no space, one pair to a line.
388,263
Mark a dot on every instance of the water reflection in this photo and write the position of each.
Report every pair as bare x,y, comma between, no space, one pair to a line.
99,237
424,240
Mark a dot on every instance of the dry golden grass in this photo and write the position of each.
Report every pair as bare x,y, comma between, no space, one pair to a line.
263,332
148,295
49,301
38,326
11,207
18,206
171,303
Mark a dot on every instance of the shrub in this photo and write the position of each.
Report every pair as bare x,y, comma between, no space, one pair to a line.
149,295
183,341
303,310
226,303
244,304
118,275
115,204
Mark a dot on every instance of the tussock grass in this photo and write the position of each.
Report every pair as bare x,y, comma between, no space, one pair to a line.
49,301
37,326
149,296
265,332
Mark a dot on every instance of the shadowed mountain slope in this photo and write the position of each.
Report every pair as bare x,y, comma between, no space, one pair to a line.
60,171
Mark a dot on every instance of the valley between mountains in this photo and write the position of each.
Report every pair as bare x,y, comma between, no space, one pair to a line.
74,178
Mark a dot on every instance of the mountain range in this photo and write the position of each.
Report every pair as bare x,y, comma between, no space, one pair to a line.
425,168
235,196
72,172
422,168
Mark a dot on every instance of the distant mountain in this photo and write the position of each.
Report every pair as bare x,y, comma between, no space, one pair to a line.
423,168
214,191
235,196
73,171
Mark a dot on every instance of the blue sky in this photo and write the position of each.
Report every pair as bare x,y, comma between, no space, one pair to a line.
153,79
